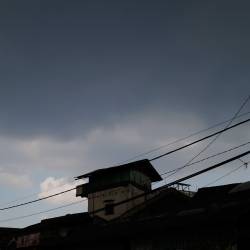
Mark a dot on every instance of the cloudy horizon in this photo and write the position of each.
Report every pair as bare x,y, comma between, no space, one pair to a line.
90,84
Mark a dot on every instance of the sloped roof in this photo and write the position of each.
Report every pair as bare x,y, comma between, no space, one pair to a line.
213,194
143,166
67,220
245,186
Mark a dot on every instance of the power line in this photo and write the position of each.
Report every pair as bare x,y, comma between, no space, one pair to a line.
155,158
153,150
245,163
181,139
178,181
65,191
37,193
40,199
199,140
225,175
140,195
216,137
207,158
42,212
208,169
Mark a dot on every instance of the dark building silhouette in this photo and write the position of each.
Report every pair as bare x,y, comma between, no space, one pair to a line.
165,219
116,184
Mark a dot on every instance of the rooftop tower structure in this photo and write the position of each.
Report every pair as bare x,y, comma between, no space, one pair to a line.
109,186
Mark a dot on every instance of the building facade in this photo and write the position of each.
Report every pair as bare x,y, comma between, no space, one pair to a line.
214,218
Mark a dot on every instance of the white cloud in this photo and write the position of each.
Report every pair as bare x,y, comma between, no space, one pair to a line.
104,147
52,185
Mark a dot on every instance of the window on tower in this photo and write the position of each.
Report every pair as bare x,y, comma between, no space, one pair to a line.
109,207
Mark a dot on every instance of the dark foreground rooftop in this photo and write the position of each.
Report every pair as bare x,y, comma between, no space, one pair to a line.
214,218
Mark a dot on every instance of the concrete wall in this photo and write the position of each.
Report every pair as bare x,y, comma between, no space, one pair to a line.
97,200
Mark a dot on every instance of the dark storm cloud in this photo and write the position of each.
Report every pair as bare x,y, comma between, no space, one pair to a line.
68,66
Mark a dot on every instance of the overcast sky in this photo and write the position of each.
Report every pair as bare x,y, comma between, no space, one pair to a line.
89,84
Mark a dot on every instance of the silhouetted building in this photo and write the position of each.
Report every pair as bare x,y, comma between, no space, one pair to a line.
169,219
6,235
116,184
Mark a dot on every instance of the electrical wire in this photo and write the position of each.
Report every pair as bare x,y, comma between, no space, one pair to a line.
153,150
207,158
40,199
208,169
216,137
181,139
225,175
42,212
37,193
140,195
155,158
69,190
199,140
149,192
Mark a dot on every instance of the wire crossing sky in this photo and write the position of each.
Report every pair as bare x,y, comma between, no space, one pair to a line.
164,155
87,84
